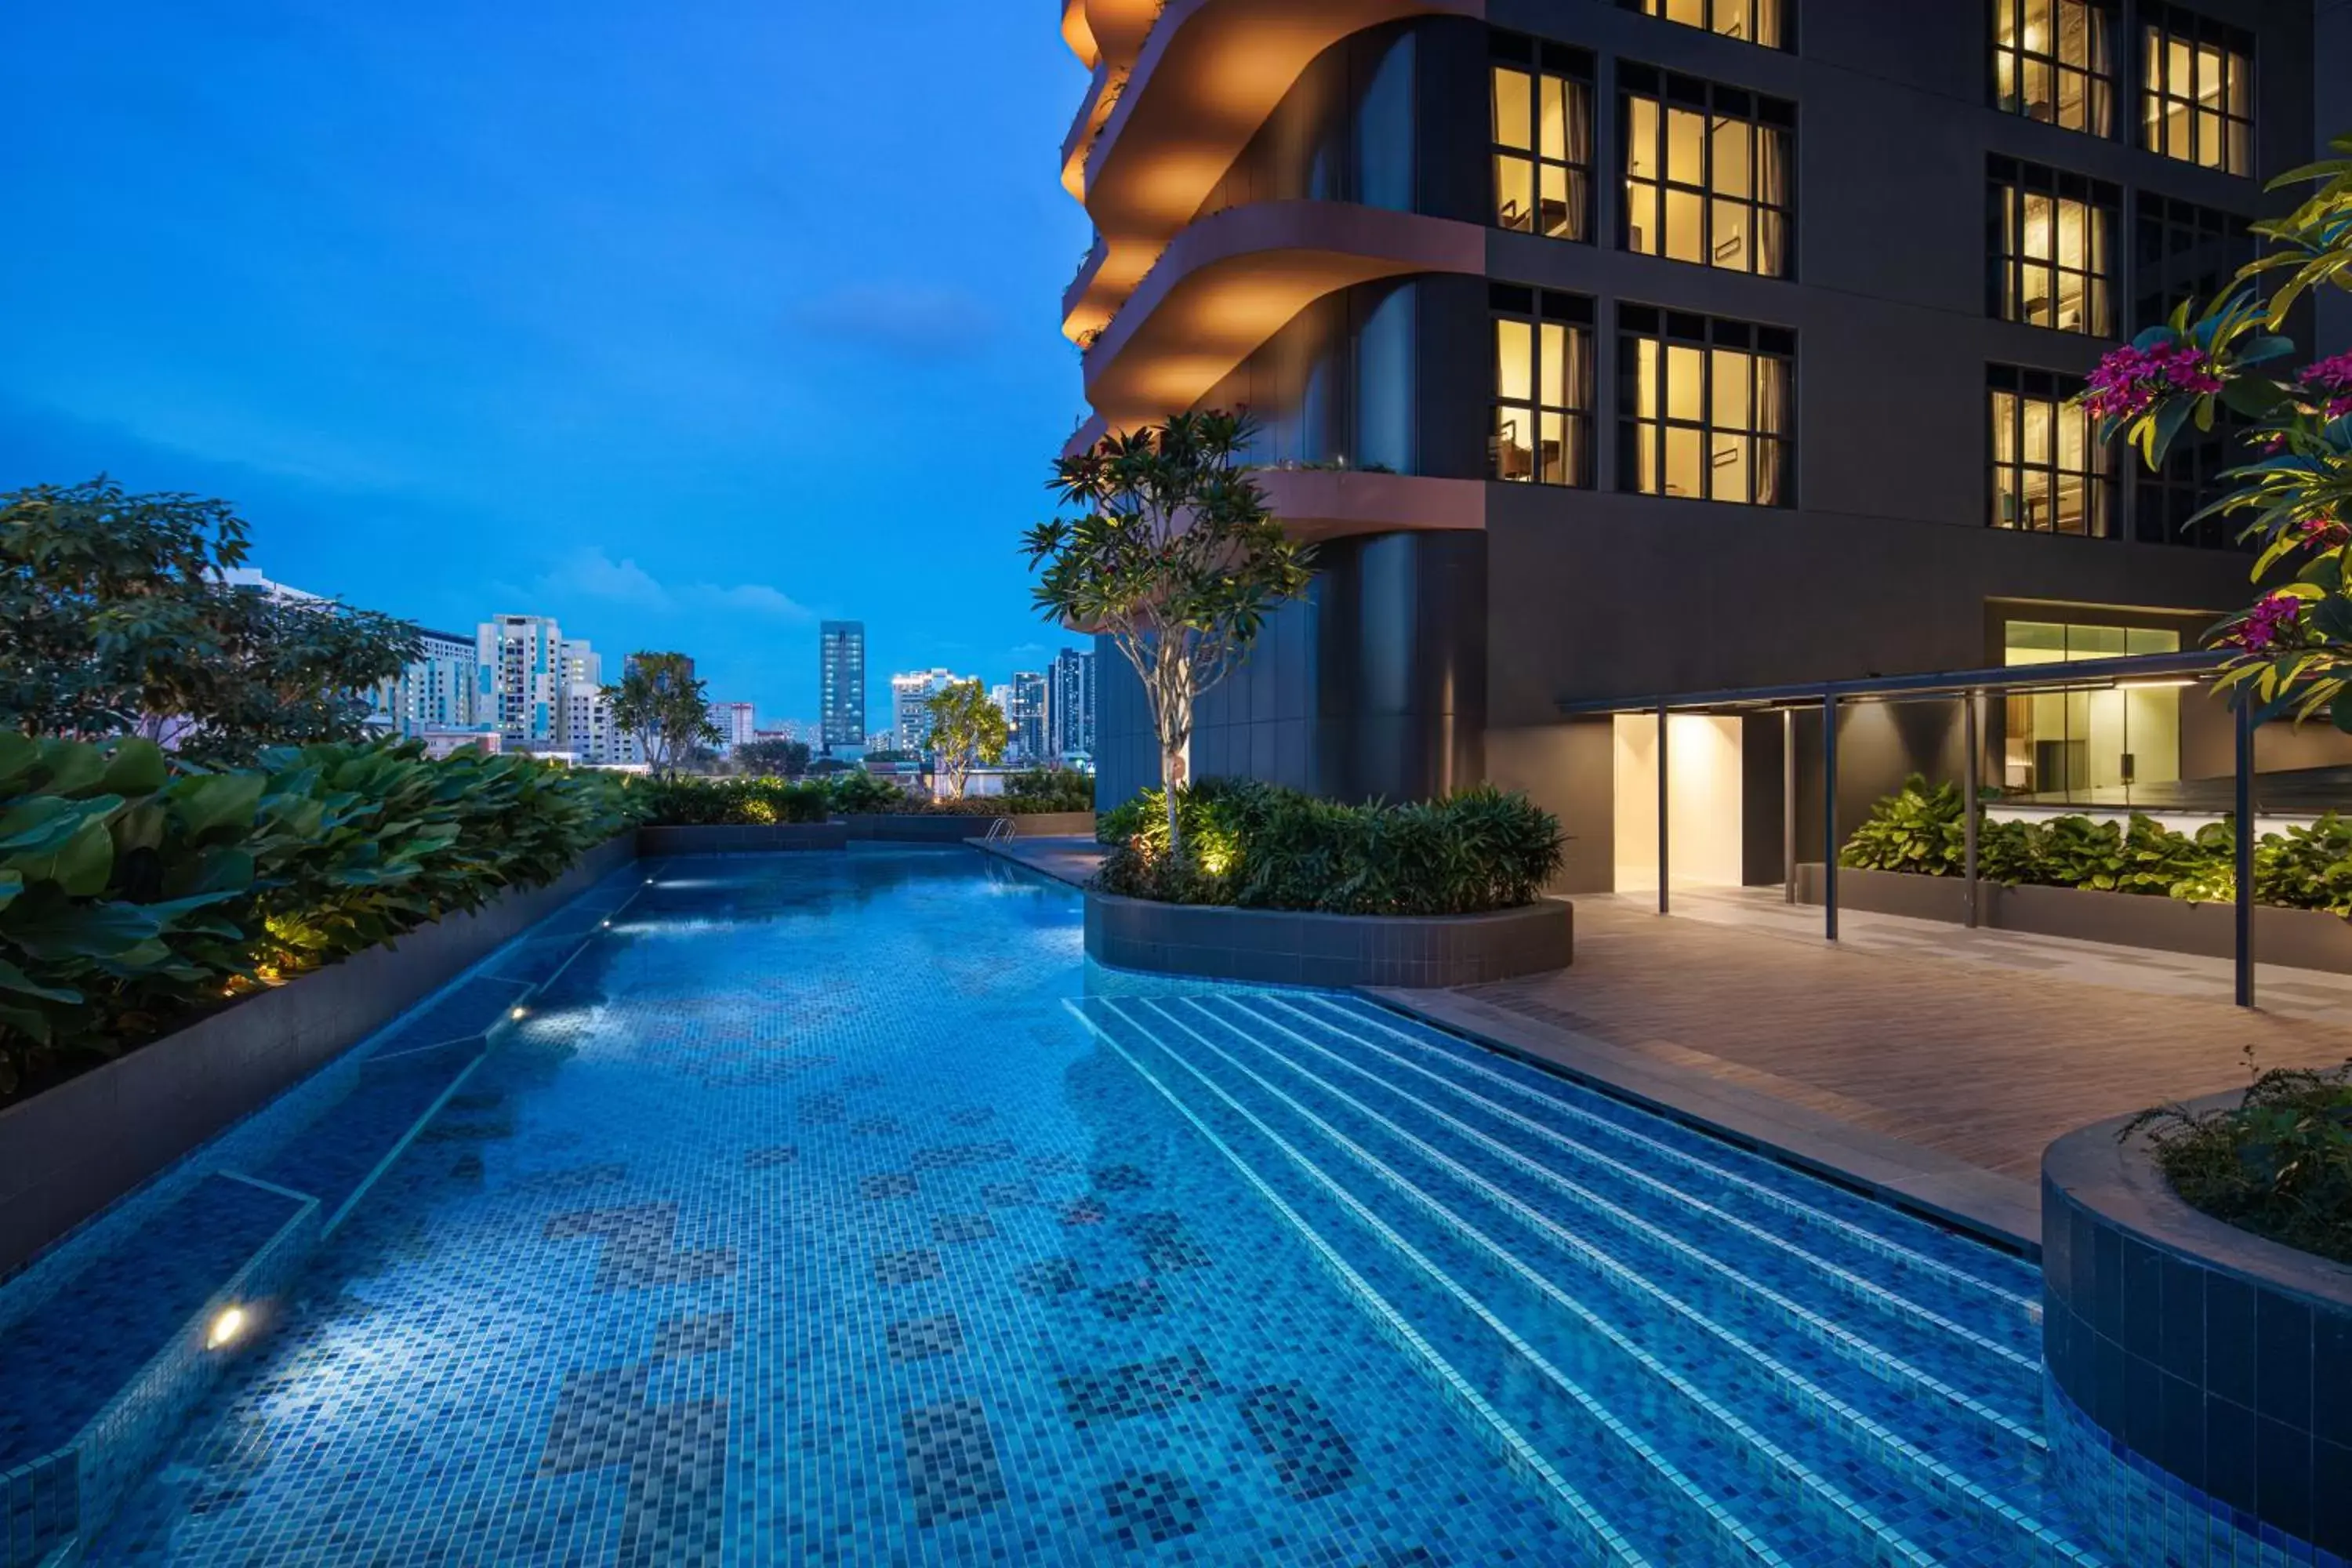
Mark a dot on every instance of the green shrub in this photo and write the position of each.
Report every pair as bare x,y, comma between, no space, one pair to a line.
680,801
1921,830
1049,789
1263,846
2278,1163
858,792
132,895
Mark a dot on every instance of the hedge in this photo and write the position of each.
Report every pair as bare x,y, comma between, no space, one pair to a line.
692,802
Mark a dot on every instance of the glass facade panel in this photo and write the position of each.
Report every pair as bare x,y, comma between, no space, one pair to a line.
2093,746
2196,90
2047,474
1542,426
1704,409
1757,21
1708,173
1542,123
2053,61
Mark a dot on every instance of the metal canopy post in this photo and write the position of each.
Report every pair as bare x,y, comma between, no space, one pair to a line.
2245,850
1829,813
1662,808
1971,769
1788,806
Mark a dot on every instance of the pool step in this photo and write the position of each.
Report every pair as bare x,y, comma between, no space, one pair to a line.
1778,1439
105,1345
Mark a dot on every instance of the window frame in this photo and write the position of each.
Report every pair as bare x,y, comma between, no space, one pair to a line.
1641,433
2160,24
2009,184
1537,309
2110,80
1575,70
1785,44
2231,233
1715,104
2101,484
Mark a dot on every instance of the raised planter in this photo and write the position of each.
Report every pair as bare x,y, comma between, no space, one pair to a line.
731,838
2300,938
2195,1375
69,1151
1299,948
1054,825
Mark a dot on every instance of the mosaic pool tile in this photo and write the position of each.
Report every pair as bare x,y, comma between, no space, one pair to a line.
634,1329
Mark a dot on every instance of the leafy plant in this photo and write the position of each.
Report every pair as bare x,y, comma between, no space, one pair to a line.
660,701
683,801
2279,1162
1049,789
788,758
1260,845
1175,558
966,731
1914,829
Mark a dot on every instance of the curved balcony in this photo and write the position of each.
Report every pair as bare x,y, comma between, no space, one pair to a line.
1107,29
1231,281
1207,76
1103,92
1334,503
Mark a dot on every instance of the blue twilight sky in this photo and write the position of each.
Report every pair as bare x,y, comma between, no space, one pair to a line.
685,322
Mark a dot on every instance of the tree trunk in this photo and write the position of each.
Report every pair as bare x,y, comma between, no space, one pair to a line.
1171,779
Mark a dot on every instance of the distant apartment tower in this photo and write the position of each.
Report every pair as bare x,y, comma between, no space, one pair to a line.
437,690
1070,707
577,663
520,684
841,685
586,730
1025,715
737,726
911,720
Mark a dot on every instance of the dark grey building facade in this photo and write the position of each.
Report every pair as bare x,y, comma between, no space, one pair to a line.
1614,351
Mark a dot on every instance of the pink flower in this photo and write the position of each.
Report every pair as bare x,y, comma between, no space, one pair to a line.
2331,379
2271,617
2131,381
2325,531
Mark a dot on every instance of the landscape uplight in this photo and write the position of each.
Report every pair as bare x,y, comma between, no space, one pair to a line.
226,1327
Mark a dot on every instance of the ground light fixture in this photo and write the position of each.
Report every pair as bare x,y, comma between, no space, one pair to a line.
518,1012
228,1326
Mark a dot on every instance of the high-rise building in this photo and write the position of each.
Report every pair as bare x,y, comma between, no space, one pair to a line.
1584,407
588,731
437,690
1070,707
520,687
1026,714
841,685
911,721
736,724
577,662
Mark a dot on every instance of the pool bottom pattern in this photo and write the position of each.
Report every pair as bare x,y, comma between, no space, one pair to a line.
802,1223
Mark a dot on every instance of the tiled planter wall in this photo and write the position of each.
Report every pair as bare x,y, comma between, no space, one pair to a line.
1294,947
2199,1378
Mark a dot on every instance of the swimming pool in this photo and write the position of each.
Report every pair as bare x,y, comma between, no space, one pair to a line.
828,1208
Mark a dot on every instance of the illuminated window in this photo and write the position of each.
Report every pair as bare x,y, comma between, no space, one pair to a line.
1704,407
2053,242
2088,745
2197,90
1543,137
2053,60
2048,476
1543,387
1707,173
1757,21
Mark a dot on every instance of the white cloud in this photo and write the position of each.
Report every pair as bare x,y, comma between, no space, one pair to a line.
589,572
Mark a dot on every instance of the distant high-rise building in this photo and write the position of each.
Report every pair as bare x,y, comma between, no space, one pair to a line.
841,685
737,726
588,731
251,577
1026,714
630,663
1070,707
911,720
577,662
518,681
438,690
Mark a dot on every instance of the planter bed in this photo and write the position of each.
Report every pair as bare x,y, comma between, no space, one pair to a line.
1303,948
2194,1373
2299,938
726,838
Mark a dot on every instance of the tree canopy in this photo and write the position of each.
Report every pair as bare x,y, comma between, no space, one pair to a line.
966,730
660,701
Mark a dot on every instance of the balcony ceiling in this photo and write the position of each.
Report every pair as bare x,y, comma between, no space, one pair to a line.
1207,76
1231,281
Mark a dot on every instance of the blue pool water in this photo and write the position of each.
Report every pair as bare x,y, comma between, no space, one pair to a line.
828,1208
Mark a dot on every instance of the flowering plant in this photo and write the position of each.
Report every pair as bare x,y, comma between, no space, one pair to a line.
2291,649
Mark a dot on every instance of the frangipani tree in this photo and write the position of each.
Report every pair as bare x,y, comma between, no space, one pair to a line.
966,730
661,702
2291,648
1174,557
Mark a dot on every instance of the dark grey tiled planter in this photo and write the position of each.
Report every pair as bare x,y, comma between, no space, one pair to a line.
2200,1377
1294,948
1054,825
915,827
67,1154
731,838
2301,939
